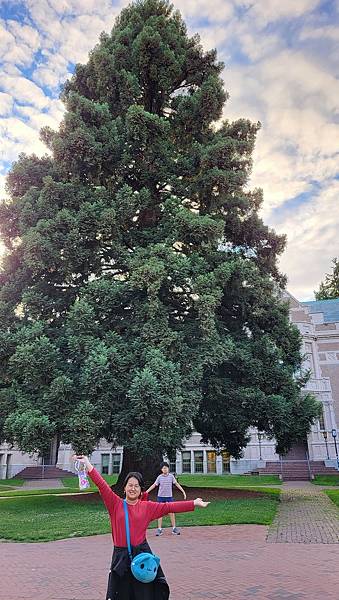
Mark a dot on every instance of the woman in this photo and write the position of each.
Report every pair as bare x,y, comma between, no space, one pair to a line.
121,583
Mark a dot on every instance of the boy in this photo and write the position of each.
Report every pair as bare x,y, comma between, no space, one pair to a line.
165,482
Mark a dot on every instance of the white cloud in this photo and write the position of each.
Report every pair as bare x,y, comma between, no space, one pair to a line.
329,31
6,104
18,43
213,10
312,241
24,90
17,136
268,11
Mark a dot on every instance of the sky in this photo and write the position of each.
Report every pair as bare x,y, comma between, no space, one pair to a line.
281,68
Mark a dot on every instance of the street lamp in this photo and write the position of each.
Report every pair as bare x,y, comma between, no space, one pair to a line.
334,435
325,438
260,436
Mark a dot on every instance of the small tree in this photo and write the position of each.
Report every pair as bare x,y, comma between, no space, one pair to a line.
329,288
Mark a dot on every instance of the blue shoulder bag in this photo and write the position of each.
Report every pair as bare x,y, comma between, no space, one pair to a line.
144,566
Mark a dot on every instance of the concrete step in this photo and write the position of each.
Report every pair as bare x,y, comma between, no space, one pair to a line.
48,472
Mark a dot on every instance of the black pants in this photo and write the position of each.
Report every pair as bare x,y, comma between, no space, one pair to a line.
129,588
123,586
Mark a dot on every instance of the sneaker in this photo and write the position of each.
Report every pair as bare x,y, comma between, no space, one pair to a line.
159,532
176,531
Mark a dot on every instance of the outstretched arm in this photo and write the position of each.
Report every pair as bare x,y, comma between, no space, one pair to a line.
157,509
108,496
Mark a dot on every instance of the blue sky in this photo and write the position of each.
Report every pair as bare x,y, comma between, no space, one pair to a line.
281,61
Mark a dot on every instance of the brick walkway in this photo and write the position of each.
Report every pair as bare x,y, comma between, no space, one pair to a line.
306,515
228,563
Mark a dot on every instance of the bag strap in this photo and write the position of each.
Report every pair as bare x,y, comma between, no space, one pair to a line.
127,530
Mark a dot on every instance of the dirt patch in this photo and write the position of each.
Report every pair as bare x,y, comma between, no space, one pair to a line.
207,494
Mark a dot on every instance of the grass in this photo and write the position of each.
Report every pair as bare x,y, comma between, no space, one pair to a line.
73,482
11,482
334,496
46,518
20,493
326,480
228,481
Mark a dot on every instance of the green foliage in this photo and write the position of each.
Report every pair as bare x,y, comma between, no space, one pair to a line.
329,288
29,429
139,295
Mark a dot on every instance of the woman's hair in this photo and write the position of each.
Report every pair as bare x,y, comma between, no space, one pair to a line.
136,476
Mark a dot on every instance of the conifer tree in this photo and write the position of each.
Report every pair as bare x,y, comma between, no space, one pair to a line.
140,295
329,288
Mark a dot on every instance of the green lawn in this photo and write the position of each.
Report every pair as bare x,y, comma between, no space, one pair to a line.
11,482
73,482
228,481
19,493
333,495
44,518
326,480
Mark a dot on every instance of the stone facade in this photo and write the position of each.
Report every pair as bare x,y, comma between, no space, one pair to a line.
318,323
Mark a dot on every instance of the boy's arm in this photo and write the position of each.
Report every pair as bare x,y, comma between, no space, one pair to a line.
177,484
154,485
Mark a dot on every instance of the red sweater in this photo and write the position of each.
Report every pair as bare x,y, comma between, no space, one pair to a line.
140,515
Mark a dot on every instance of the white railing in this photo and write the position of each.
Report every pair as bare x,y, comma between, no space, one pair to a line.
318,385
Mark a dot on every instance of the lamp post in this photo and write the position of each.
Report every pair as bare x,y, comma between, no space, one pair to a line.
334,435
260,435
325,438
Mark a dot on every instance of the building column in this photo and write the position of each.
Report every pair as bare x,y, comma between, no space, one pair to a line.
219,464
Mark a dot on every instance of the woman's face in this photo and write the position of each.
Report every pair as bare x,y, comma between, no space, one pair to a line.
132,489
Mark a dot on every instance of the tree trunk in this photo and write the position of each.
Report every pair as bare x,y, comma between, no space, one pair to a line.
149,467
51,457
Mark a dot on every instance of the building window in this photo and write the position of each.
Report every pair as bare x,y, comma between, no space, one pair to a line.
321,421
211,461
172,459
104,464
116,463
186,461
226,458
198,461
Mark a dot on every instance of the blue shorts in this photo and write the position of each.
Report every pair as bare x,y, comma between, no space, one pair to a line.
164,499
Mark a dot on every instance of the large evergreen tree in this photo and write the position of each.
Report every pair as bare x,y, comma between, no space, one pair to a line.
329,288
140,292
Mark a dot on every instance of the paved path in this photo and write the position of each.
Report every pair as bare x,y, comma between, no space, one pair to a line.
306,515
41,484
229,563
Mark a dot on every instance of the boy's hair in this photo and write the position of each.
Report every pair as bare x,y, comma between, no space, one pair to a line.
164,464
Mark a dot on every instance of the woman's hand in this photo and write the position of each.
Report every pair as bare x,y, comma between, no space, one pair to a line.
84,461
184,494
199,502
